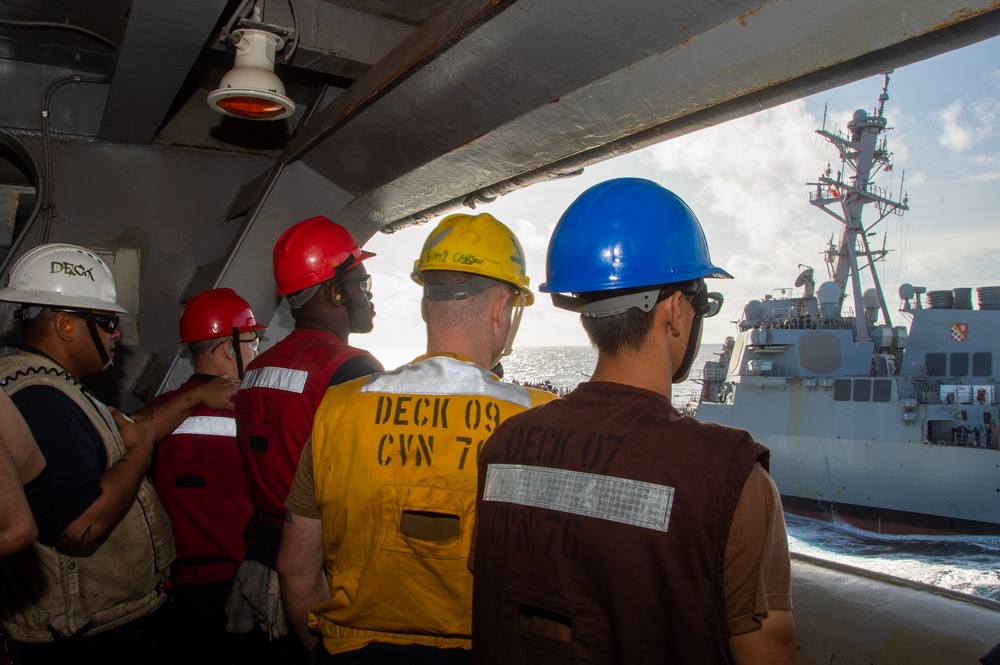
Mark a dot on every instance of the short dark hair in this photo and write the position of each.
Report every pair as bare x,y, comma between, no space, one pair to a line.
305,310
203,345
628,330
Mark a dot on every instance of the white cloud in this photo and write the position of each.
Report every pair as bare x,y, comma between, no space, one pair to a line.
396,297
532,236
963,129
750,174
953,135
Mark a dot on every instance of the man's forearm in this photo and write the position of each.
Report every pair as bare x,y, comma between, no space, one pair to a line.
300,570
300,593
166,416
17,526
119,486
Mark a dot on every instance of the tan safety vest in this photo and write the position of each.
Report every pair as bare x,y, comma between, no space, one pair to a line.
49,593
392,450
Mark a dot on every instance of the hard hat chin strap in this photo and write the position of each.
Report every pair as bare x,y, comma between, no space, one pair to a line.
689,353
345,298
106,360
238,352
515,323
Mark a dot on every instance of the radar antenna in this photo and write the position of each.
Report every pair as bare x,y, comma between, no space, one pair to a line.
806,281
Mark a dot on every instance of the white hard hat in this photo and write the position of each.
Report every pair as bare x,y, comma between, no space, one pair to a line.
62,275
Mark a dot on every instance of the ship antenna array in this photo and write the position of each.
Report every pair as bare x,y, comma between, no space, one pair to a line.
863,153
884,97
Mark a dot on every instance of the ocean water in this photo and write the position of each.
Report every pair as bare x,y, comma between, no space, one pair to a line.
969,564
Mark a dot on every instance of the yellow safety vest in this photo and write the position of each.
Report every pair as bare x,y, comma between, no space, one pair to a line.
400,443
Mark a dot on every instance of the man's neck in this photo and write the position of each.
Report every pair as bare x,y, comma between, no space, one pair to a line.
641,370
337,328
210,368
459,343
57,353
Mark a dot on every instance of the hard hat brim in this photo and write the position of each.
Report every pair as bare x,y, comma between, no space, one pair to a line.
47,299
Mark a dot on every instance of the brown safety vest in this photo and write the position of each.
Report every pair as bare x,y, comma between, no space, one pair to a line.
49,593
602,527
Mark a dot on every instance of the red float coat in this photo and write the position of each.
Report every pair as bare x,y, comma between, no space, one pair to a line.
198,475
275,405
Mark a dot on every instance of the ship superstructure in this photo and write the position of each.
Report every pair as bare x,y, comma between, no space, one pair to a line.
893,427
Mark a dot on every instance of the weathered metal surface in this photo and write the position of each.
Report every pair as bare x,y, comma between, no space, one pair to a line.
162,41
663,79
848,615
339,40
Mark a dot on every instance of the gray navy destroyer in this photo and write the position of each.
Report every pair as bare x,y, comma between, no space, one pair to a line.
893,428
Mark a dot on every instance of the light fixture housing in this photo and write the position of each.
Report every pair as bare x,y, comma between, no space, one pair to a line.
251,90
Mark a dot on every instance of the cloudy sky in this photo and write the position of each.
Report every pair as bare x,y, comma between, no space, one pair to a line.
746,182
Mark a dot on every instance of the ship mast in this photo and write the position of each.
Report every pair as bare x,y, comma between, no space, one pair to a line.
863,154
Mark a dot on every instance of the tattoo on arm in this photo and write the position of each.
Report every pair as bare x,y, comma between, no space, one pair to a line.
74,544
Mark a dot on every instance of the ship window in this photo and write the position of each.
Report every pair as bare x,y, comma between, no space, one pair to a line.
936,364
862,390
842,390
881,390
982,364
959,364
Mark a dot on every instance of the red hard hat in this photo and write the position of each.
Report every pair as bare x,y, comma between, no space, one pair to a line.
311,251
214,314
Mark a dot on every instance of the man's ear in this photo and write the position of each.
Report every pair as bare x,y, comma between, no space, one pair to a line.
668,313
63,325
501,307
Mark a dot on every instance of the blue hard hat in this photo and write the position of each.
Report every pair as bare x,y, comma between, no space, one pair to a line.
626,233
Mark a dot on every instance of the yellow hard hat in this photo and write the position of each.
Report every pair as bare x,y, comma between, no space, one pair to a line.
476,244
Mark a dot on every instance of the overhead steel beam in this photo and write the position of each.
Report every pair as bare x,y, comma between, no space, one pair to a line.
161,44
930,44
490,91
337,40
700,58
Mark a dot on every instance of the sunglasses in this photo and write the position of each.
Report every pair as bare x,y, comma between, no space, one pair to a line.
365,282
254,344
107,322
706,304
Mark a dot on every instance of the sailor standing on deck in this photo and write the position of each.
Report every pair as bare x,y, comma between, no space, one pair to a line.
319,269
380,515
198,475
86,590
611,529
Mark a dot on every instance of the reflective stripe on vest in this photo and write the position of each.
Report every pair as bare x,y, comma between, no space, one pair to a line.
620,500
279,378
208,425
442,375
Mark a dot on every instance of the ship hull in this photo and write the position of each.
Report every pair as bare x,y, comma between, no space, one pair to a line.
884,520
868,463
